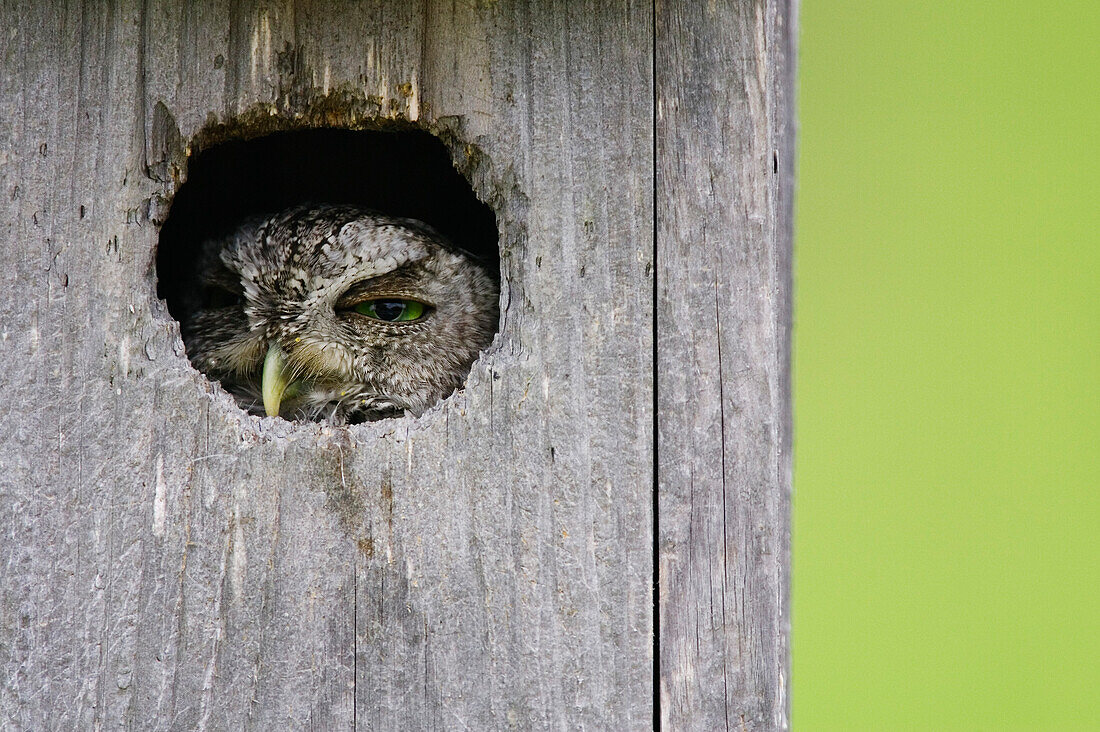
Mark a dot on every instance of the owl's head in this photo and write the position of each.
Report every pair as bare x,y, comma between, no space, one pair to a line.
340,314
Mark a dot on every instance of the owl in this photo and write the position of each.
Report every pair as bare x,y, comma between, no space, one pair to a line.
339,314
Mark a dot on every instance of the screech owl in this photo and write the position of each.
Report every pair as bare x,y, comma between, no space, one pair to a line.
337,313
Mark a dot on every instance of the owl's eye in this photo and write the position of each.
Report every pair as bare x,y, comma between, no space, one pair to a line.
392,310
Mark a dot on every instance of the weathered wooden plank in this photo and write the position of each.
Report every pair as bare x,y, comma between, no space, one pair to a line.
170,563
723,203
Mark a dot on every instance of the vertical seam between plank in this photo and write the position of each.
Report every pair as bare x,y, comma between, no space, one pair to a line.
656,722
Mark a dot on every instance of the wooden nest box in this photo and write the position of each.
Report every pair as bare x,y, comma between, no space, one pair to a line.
593,533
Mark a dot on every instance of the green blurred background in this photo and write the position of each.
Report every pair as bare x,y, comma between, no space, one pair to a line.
946,367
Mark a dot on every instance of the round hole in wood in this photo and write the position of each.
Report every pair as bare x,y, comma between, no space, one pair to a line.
333,275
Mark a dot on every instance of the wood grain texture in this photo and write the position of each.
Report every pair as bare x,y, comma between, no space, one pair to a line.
724,180
169,563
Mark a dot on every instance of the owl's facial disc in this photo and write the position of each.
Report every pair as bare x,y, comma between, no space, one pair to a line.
342,315
279,378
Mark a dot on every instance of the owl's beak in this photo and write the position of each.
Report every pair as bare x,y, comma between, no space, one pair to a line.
275,380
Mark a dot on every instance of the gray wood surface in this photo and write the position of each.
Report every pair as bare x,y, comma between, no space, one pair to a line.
723,205
167,562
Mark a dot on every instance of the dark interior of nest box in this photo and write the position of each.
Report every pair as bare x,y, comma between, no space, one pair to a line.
406,173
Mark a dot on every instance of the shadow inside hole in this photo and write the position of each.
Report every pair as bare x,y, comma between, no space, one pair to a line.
405,173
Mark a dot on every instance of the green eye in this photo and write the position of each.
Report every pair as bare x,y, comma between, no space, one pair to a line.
391,311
